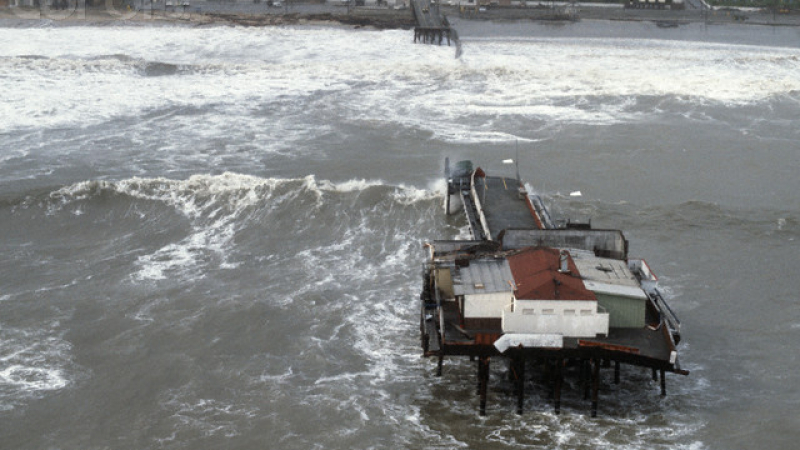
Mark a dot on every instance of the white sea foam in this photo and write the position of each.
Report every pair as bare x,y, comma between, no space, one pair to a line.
409,195
348,186
208,416
28,378
89,73
32,362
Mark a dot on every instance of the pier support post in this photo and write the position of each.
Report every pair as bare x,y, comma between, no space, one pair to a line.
559,381
586,373
546,374
439,364
478,384
595,385
655,374
521,392
616,372
520,384
484,382
424,337
663,383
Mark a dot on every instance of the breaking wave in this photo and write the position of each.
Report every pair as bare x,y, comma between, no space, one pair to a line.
494,83
220,207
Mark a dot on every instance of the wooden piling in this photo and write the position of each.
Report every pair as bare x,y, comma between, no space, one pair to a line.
586,368
616,372
484,382
595,385
520,385
559,381
478,378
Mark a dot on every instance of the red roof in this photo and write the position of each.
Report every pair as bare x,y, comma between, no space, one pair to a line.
536,274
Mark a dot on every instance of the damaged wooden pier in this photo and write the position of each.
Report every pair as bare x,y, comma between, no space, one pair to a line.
539,295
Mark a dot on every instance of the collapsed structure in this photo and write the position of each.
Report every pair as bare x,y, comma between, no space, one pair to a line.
532,291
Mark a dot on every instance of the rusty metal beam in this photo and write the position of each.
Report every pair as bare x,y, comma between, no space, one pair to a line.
606,346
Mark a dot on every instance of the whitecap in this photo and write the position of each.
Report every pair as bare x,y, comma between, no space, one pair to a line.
31,378
33,362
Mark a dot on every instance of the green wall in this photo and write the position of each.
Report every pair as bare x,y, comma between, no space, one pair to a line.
624,312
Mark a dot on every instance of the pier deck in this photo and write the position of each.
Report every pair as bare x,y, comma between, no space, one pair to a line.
505,204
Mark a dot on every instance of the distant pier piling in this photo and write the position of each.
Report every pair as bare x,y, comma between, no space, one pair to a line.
432,35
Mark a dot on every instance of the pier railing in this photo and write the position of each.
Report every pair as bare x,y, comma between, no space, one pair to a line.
479,210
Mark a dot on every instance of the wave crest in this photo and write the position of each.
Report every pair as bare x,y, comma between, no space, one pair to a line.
220,207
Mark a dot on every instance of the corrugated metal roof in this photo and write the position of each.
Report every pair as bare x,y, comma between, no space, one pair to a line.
483,276
603,270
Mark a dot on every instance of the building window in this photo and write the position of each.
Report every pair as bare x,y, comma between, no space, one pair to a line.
528,311
586,312
569,312
548,311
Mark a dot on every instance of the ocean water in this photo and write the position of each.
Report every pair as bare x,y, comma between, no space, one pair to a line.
212,236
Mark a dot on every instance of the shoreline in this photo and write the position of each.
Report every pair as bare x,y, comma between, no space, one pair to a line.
385,18
378,19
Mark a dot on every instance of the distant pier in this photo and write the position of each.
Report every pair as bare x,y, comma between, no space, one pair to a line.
549,298
431,26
